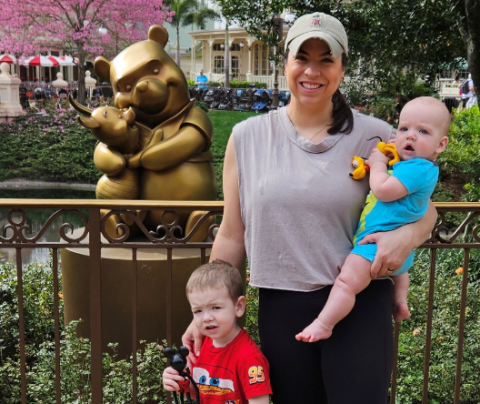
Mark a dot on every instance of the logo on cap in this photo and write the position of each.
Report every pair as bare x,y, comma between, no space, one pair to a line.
316,20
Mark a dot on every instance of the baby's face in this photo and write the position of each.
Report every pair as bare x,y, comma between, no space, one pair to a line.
421,131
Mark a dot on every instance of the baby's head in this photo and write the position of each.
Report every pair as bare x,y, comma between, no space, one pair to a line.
422,129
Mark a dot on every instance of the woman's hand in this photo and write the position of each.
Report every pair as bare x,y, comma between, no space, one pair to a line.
393,247
193,340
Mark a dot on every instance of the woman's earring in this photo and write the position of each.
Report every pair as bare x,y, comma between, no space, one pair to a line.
343,78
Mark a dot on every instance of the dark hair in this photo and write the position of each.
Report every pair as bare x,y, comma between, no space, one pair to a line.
342,114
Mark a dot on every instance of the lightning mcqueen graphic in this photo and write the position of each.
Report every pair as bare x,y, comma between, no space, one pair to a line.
216,383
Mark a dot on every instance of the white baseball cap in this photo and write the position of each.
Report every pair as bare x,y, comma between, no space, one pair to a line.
318,25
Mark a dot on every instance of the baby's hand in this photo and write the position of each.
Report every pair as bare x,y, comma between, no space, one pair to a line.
377,157
171,378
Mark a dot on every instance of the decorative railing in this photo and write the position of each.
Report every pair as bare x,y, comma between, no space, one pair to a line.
91,234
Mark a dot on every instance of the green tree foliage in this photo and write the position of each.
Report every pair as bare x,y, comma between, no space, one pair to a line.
461,158
390,35
188,12
393,35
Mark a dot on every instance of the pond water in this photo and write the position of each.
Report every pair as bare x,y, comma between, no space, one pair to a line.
36,218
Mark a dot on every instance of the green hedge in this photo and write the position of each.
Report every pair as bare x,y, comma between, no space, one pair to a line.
52,147
75,353
233,84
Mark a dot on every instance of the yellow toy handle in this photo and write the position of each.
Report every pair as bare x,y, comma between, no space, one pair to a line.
389,148
360,168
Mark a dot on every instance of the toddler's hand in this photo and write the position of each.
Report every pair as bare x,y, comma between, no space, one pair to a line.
171,378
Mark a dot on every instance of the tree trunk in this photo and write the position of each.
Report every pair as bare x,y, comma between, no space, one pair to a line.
470,31
177,57
227,57
81,96
472,12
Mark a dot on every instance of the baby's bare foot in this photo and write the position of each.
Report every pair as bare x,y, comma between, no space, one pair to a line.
401,312
314,332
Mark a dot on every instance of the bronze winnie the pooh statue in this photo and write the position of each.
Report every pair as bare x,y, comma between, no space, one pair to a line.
172,157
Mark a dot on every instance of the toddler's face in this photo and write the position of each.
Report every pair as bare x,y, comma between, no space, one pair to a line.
421,132
215,314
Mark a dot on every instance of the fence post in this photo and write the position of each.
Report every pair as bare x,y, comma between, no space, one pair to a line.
95,304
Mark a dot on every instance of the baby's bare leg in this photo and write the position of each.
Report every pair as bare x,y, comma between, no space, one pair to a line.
400,290
353,278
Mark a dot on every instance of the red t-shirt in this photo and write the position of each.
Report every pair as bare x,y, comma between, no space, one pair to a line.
232,374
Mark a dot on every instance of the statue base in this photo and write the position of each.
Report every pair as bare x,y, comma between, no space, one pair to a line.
116,289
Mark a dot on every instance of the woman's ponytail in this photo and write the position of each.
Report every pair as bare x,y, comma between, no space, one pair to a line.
342,115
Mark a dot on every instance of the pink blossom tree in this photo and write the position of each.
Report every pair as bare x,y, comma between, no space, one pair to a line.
84,28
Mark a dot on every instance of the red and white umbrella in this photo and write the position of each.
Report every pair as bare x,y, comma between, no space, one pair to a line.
44,61
70,60
6,58
60,61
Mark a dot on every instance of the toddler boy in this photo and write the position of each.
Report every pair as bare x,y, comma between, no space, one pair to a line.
230,368
394,201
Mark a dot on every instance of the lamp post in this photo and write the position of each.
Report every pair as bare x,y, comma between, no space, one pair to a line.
278,31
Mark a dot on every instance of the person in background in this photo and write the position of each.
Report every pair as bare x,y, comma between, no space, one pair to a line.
292,209
467,95
202,80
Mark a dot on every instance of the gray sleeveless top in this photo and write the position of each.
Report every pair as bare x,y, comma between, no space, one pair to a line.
298,203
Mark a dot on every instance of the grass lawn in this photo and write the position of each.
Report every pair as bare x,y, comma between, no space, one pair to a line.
223,123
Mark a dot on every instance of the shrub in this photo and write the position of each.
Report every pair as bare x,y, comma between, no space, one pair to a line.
444,331
245,84
74,352
202,105
234,84
461,158
75,357
52,147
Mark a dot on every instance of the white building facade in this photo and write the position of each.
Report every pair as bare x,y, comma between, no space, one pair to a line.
249,57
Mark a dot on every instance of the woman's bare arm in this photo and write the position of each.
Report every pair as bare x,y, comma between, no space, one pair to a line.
229,242
228,245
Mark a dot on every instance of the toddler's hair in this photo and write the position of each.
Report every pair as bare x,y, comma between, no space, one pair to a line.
215,275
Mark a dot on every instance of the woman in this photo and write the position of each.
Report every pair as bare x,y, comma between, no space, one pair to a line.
292,207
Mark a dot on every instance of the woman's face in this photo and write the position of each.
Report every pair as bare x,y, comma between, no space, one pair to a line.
313,74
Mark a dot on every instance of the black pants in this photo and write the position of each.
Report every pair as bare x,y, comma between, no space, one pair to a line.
353,366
